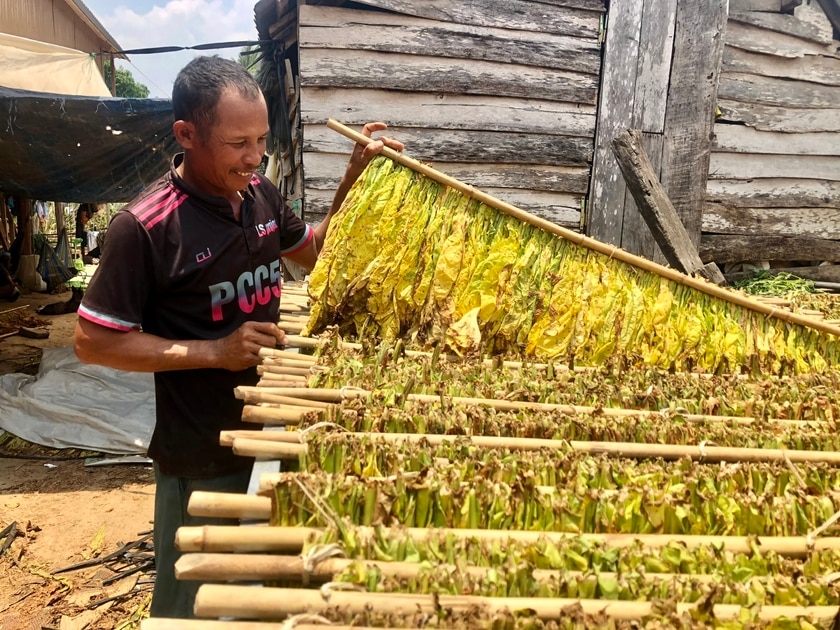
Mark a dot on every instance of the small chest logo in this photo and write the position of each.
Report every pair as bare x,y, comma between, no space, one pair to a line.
264,229
200,257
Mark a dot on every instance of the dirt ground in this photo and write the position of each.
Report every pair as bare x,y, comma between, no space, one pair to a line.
66,512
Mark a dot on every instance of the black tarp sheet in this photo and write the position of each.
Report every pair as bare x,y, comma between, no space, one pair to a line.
80,148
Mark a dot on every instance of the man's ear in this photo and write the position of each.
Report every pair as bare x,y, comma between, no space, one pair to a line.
185,133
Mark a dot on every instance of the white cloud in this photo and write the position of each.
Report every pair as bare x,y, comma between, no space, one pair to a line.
173,23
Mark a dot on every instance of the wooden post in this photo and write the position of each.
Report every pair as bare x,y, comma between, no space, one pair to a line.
24,214
689,118
5,239
656,208
113,76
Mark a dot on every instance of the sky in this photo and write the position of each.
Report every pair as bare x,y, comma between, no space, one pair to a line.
151,23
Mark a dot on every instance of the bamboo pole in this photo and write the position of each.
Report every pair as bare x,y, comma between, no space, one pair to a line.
217,600
275,416
286,445
290,317
284,370
265,449
606,249
287,378
228,505
339,395
286,383
227,538
160,623
291,327
275,353
226,567
293,308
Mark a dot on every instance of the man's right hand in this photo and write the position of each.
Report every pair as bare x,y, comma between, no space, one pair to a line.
241,349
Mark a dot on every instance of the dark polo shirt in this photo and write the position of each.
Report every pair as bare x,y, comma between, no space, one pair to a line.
178,265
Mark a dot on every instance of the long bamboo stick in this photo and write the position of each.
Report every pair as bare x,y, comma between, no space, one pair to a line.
293,308
216,600
287,445
285,370
606,249
275,416
285,378
251,394
161,623
222,538
221,567
228,505
292,327
275,353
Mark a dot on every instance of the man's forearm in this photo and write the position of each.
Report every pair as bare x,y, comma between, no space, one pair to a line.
137,351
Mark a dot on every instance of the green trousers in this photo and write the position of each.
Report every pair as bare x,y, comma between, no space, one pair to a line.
175,598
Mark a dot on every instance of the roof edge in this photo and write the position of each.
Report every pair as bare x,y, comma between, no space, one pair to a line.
91,20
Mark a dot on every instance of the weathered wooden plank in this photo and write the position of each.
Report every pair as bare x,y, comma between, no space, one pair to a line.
737,248
587,5
773,6
772,118
756,165
775,193
752,88
558,208
741,139
691,103
369,69
719,218
522,16
761,40
815,14
817,273
636,236
322,27
782,23
323,171
654,205
447,111
468,146
605,208
813,68
656,48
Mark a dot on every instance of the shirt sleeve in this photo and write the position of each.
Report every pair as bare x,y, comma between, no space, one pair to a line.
295,234
122,284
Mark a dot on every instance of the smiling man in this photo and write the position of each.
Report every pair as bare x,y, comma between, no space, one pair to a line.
189,287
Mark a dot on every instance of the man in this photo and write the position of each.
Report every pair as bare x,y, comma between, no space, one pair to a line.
189,287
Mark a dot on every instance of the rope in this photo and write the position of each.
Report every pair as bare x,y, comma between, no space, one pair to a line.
318,554
350,388
294,620
328,588
793,471
321,506
809,539
319,425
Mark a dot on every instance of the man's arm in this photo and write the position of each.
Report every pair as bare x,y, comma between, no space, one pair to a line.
141,352
359,159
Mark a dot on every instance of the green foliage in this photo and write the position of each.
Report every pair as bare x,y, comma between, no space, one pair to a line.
127,86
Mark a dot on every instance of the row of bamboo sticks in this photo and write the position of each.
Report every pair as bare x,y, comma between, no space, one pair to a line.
221,553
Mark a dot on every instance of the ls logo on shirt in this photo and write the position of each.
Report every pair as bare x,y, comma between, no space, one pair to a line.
250,289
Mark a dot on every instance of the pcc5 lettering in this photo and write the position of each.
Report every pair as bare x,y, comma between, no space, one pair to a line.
249,289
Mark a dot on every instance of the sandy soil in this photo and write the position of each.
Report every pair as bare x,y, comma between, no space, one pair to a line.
66,512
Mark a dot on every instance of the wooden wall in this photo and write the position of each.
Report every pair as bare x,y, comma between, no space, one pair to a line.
774,178
502,98
51,21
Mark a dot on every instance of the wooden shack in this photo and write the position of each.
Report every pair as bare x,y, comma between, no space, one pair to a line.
523,99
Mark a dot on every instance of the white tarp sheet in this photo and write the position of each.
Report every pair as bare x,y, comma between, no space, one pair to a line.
73,405
26,64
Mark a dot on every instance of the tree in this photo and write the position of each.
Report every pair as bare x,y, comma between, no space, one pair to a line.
127,86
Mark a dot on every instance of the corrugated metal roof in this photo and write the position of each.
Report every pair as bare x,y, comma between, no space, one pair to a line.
87,15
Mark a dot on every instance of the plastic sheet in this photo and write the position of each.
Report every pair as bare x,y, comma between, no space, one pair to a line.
82,149
73,405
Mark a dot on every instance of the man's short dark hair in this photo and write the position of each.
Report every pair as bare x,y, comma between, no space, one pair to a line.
200,84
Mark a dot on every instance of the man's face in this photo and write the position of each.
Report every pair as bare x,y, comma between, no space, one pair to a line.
224,157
